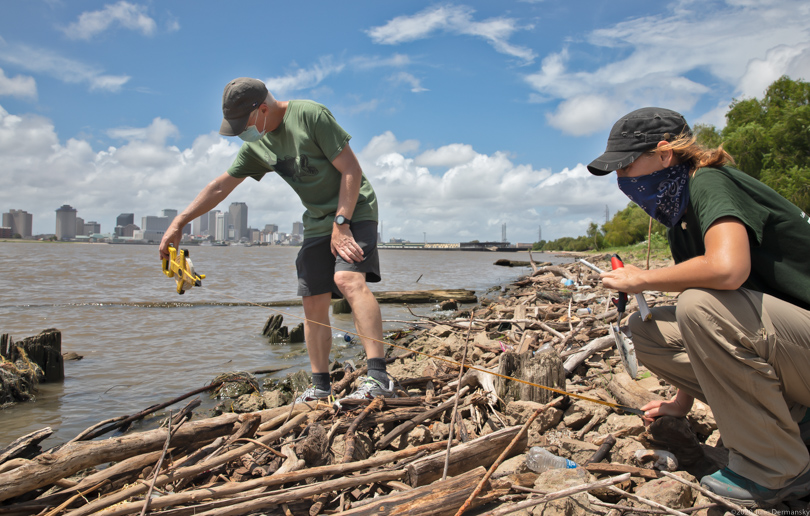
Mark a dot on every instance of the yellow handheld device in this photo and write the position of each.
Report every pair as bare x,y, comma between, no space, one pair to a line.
179,266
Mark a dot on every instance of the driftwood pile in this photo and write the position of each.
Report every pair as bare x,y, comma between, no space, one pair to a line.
453,442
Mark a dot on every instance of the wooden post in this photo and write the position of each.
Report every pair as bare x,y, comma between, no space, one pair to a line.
543,367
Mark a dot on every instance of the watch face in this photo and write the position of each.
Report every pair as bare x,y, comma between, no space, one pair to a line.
340,219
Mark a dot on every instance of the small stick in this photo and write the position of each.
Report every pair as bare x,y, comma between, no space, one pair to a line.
646,501
156,472
455,406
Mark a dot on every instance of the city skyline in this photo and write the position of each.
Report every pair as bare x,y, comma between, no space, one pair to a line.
68,224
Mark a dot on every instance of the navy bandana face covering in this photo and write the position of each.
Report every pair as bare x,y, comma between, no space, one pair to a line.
663,195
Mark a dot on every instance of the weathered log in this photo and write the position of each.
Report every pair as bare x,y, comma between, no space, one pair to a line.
543,368
595,346
479,452
628,392
26,446
441,498
73,457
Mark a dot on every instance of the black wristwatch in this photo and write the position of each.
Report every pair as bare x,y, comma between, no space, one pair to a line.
340,220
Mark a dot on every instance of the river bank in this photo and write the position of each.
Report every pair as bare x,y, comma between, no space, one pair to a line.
549,326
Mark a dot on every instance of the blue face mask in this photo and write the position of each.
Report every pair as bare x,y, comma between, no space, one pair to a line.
251,134
663,195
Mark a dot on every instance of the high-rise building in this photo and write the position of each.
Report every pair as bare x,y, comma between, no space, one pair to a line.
80,227
91,228
154,227
212,224
298,228
220,226
65,222
124,219
239,219
20,222
168,213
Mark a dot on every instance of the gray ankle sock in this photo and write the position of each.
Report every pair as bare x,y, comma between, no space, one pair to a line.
376,370
321,381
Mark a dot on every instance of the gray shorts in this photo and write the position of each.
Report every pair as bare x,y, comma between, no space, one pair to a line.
316,265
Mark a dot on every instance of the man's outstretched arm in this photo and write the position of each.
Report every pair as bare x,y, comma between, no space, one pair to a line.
208,199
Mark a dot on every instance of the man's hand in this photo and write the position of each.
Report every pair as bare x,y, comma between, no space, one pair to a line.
170,238
343,244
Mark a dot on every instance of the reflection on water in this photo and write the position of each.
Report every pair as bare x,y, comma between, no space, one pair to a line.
102,297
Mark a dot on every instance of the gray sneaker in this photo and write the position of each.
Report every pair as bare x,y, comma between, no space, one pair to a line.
370,388
312,394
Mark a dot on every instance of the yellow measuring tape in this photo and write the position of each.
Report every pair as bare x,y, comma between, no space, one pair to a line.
190,277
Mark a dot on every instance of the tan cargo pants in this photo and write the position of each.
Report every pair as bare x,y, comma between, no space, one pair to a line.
747,355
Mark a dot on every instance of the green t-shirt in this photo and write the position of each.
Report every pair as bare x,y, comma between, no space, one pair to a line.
301,151
779,232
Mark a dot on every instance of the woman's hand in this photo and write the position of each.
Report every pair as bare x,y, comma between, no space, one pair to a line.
679,406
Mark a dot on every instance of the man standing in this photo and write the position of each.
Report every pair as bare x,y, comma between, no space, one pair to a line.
301,141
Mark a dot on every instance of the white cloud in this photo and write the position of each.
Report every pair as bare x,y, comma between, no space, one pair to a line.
64,69
793,61
477,193
409,79
303,78
742,46
129,16
19,86
447,156
453,20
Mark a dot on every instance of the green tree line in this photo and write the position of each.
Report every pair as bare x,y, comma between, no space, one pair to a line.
768,138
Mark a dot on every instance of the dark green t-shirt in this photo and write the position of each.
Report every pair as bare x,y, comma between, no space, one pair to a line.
778,231
301,151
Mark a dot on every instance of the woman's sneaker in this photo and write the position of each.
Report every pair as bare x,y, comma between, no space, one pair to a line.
370,388
748,493
312,394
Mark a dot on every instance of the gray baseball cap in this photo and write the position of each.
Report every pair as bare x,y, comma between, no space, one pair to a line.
240,98
636,133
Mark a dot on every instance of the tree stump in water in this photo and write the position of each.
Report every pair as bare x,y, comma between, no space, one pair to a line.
543,368
44,350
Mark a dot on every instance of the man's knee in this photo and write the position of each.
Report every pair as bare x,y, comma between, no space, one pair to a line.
350,283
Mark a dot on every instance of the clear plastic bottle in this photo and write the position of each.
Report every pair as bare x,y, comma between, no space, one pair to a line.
539,460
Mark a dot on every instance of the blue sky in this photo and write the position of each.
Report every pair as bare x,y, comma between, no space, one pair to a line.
465,115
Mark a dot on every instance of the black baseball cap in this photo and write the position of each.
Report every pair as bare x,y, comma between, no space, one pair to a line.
240,98
636,133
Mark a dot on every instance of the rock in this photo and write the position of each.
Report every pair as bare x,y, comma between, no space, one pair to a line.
248,403
557,480
624,451
450,304
314,449
576,450
419,436
675,435
274,398
578,414
520,411
668,492
623,425
701,419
